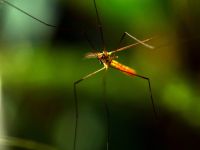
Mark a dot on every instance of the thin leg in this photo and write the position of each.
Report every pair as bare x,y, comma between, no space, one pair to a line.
99,25
107,111
151,95
130,46
121,39
76,104
33,17
139,41
89,41
149,83
26,13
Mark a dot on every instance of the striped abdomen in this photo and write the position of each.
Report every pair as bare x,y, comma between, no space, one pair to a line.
122,68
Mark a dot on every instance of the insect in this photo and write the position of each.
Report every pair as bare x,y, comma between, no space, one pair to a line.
108,59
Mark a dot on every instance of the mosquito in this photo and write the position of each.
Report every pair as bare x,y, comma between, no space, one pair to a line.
108,60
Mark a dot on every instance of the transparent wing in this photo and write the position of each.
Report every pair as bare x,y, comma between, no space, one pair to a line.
91,55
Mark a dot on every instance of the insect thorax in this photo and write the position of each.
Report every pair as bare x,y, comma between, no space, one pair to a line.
105,58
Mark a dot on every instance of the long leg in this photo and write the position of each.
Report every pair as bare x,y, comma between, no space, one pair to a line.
151,95
129,46
99,25
121,39
149,83
76,104
139,41
54,26
107,111
41,21
89,41
26,13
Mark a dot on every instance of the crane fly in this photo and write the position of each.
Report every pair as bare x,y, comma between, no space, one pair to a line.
108,59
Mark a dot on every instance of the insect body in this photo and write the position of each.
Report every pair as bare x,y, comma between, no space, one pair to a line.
107,59
123,68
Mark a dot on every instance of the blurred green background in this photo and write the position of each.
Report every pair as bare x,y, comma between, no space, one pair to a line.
39,64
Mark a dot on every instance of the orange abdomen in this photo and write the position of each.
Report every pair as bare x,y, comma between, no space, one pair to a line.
122,67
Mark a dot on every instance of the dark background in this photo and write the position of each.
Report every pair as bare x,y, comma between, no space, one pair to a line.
39,64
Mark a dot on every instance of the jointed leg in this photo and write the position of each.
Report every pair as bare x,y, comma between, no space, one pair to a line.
26,13
76,104
151,95
143,42
129,46
139,41
99,25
